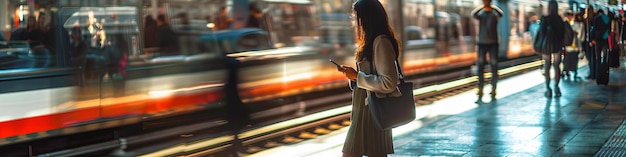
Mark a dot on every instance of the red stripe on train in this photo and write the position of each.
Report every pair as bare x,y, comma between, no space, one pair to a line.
42,123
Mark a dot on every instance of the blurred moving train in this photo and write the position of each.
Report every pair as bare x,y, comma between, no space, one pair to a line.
121,76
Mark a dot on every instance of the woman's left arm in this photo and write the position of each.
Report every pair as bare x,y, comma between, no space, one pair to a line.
385,80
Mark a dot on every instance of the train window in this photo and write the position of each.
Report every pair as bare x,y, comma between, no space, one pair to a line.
289,20
253,42
175,29
43,28
99,37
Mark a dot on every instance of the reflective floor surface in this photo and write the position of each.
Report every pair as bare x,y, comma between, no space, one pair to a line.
521,121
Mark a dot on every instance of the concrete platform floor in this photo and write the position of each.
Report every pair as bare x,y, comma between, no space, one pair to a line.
587,120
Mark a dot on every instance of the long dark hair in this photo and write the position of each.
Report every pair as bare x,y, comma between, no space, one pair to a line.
372,20
553,8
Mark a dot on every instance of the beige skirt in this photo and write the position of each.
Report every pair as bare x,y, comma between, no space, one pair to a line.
364,137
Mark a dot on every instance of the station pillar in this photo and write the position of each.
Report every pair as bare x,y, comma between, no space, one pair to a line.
504,28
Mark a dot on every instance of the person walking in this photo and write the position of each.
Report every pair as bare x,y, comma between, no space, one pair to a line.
533,27
554,27
488,41
599,35
579,27
29,33
572,51
376,55
78,54
238,115
255,19
222,21
150,28
166,39
587,46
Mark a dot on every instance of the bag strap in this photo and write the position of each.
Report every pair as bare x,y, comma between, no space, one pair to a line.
399,69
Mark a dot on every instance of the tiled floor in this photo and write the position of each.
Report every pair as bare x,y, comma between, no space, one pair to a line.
528,124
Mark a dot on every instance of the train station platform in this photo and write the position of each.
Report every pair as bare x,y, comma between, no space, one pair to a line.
587,120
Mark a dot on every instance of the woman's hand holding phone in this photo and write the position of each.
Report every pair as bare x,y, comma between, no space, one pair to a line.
349,72
346,70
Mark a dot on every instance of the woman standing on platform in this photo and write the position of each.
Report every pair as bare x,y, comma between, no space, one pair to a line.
376,57
554,27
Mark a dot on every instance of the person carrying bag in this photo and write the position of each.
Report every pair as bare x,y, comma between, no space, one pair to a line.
543,43
376,83
550,43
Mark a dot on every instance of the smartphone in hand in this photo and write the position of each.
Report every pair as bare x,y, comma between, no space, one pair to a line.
338,66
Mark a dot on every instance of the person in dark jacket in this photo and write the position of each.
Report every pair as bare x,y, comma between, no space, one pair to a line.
238,115
149,36
44,34
255,19
599,35
78,49
28,33
78,54
554,27
167,41
488,41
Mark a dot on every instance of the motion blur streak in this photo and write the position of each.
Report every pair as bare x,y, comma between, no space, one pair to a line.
165,93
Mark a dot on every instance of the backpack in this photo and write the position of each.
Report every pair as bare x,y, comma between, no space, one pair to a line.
544,41
568,35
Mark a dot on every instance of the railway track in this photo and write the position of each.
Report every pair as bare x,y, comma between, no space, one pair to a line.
254,141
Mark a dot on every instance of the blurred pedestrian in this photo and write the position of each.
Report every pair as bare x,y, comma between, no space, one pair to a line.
238,116
28,33
533,27
488,40
572,53
78,54
599,35
579,27
222,21
184,22
79,48
150,28
255,19
589,49
166,39
554,27
43,30
376,56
